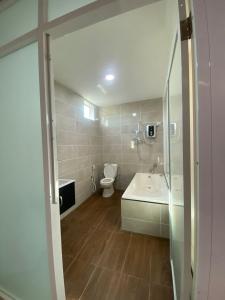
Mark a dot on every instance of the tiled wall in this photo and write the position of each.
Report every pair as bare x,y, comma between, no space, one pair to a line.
118,124
82,142
145,217
79,142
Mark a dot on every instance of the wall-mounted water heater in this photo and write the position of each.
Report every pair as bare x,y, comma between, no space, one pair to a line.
151,130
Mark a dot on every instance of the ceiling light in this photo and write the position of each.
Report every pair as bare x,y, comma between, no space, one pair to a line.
109,77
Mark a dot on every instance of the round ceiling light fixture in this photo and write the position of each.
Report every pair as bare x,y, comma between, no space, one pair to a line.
109,77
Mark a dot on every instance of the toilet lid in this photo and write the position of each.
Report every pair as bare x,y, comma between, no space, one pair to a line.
109,171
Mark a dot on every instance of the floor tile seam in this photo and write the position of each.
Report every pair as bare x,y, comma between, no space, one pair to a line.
162,257
79,252
88,282
121,271
100,221
124,274
149,292
125,257
84,244
92,273
150,274
107,240
161,284
147,282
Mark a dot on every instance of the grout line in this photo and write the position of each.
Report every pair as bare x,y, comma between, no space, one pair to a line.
107,240
150,268
101,256
132,276
78,253
96,265
82,247
85,243
150,261
126,254
95,268
89,280
100,221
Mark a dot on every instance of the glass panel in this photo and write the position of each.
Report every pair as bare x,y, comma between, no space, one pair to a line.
24,272
176,169
166,136
19,18
57,8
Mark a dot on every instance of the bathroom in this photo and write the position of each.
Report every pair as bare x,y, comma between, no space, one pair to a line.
109,127
111,162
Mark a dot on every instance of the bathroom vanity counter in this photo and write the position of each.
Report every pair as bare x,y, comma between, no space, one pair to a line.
63,182
66,194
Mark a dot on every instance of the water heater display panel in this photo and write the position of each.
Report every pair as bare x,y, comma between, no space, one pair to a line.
151,131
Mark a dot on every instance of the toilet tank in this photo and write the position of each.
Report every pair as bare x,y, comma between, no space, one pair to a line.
110,170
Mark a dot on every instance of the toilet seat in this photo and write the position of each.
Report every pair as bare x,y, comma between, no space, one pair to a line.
107,180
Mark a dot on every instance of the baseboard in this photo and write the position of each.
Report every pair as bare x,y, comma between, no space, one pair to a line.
174,282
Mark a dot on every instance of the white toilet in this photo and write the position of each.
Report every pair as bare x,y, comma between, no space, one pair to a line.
110,172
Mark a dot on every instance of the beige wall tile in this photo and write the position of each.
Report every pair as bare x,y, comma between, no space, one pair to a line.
118,124
140,226
164,231
141,210
165,214
79,142
131,108
110,110
81,139
64,137
83,150
111,149
152,104
112,140
82,143
65,152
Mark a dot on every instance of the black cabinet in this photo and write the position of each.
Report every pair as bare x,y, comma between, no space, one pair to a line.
66,196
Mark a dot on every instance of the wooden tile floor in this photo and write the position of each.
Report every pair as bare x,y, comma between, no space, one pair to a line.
103,262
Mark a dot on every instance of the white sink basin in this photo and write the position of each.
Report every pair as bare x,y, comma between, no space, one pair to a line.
63,182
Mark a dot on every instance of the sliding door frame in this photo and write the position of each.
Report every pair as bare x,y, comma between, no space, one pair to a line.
86,16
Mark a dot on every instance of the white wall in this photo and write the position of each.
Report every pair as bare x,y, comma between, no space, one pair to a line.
171,20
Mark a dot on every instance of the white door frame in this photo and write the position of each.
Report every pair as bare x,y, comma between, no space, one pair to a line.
204,155
86,16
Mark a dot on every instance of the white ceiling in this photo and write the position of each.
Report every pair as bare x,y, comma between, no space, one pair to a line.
132,46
